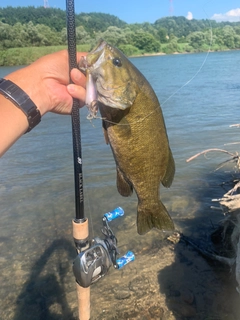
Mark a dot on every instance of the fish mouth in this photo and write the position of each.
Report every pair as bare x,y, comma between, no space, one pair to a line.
93,58
100,46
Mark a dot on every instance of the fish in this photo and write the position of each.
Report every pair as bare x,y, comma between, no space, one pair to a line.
134,127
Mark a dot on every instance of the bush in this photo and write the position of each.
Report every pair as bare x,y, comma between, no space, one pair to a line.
129,50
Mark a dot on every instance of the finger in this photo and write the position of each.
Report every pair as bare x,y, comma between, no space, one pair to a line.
78,77
77,92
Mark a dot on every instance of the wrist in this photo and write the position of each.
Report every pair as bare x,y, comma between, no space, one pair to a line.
21,100
23,79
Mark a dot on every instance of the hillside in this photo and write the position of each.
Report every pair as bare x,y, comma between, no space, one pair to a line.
45,27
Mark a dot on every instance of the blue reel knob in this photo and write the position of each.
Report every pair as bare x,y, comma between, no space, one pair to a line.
114,214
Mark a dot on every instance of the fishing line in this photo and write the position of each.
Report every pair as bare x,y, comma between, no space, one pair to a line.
201,67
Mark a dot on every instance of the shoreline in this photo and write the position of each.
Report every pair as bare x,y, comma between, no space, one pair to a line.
25,56
176,53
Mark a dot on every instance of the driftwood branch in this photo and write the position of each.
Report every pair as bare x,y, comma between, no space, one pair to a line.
231,143
235,125
230,206
211,150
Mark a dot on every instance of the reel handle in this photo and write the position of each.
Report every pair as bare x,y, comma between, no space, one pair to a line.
114,214
128,257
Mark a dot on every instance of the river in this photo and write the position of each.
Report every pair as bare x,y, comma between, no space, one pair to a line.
200,99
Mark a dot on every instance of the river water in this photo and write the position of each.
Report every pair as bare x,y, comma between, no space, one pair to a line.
200,99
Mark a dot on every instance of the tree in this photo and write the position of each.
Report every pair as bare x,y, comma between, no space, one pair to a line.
237,41
41,35
5,30
172,46
228,34
129,50
17,35
113,35
197,39
145,41
162,35
237,30
12,36
98,22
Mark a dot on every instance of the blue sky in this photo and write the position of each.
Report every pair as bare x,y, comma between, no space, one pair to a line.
132,11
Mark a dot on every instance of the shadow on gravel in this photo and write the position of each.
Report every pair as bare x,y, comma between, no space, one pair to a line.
43,295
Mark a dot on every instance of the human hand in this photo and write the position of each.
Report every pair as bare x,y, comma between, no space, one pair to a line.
46,81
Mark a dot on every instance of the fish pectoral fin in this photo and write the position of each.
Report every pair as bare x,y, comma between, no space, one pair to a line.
124,187
153,216
105,133
170,171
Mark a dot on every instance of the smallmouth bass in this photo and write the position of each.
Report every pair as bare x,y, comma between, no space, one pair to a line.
134,127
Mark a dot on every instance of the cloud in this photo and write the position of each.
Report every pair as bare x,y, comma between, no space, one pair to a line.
189,15
232,16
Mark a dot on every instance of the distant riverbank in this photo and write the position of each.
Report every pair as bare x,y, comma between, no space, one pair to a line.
27,55
182,52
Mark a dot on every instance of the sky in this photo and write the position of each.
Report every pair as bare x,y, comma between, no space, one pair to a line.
138,11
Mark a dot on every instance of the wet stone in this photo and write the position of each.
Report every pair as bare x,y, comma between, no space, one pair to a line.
121,293
183,309
187,296
107,315
140,286
156,312
174,293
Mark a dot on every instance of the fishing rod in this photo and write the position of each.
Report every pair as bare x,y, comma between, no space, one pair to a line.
80,223
76,133
94,257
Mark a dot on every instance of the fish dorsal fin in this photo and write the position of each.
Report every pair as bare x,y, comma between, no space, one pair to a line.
170,171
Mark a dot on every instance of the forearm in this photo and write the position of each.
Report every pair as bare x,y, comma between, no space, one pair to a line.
13,121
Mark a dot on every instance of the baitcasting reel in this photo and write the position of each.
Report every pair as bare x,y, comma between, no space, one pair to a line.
93,263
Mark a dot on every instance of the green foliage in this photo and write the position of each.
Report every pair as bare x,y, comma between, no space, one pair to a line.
129,50
24,56
197,39
28,34
180,26
171,47
145,41
51,17
25,28
162,35
113,35
95,22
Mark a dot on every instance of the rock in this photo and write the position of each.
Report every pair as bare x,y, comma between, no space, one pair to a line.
187,296
121,293
183,309
156,312
140,286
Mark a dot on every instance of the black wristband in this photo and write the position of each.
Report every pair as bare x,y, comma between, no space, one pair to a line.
13,92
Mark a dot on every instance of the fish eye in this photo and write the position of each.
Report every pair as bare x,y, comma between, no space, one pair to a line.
117,62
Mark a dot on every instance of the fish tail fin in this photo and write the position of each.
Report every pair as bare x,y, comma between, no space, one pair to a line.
155,216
